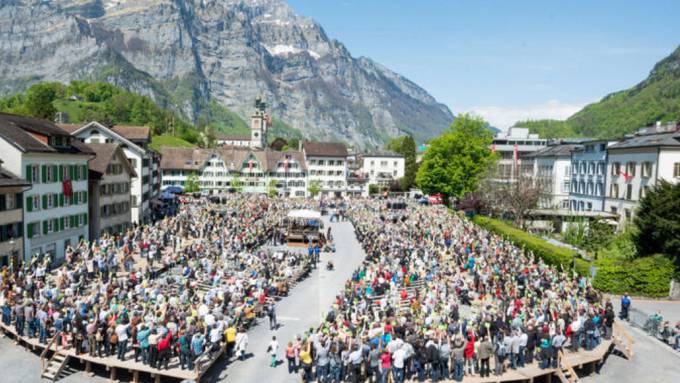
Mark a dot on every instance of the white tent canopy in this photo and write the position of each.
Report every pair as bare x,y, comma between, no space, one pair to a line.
304,214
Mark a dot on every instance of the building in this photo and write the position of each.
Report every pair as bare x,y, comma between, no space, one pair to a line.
134,140
327,165
238,140
588,176
56,206
110,177
232,169
513,147
636,163
357,180
11,217
552,174
383,167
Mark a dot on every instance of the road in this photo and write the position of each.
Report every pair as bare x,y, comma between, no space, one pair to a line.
302,309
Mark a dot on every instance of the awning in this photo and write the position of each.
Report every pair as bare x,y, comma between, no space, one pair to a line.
304,214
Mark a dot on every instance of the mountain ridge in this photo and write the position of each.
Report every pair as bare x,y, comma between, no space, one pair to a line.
186,53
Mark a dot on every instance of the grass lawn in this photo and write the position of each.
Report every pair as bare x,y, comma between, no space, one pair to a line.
158,142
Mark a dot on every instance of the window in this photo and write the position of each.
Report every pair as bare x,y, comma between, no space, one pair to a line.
646,169
33,230
9,201
629,191
600,168
67,223
614,191
133,162
616,169
372,163
589,206
383,163
643,191
676,170
567,170
51,201
630,169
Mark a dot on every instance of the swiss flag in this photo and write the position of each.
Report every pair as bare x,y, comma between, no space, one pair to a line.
67,188
627,176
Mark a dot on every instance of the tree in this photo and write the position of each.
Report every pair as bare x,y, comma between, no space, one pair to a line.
192,185
314,187
271,188
456,161
39,100
658,222
236,183
406,146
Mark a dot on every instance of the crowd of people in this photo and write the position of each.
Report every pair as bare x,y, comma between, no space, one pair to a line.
164,294
438,297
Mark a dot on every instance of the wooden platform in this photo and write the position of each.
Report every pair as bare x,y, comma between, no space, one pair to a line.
114,365
581,359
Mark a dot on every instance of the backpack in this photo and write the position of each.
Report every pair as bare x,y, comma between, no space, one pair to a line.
502,349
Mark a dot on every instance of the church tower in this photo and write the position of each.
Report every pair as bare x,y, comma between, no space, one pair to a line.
258,125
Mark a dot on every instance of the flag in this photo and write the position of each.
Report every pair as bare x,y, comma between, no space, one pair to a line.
493,148
516,154
250,165
67,188
627,176
285,165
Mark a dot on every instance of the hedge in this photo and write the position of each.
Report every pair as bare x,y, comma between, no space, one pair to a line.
648,276
551,254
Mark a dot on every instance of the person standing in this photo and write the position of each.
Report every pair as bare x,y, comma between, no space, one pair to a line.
625,306
122,334
271,313
485,351
273,351
290,357
241,343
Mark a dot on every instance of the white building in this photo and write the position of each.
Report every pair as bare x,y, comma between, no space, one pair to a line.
238,140
383,168
134,141
109,188
232,169
513,146
260,122
589,176
552,174
56,206
636,164
11,217
327,165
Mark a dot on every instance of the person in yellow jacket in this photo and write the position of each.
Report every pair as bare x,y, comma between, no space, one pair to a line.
230,335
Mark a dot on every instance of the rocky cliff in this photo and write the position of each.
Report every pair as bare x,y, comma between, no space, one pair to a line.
187,53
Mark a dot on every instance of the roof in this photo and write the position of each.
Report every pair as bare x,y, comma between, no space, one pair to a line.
304,213
133,133
324,149
233,157
8,178
554,151
383,153
23,133
70,128
232,137
649,140
104,156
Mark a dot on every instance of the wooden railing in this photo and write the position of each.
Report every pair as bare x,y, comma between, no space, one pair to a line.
43,356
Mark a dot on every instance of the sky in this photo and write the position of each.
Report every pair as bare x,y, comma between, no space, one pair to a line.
507,60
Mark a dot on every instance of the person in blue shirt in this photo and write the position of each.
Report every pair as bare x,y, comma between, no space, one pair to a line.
625,306
197,343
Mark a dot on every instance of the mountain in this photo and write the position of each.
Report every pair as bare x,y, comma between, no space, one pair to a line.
657,98
192,55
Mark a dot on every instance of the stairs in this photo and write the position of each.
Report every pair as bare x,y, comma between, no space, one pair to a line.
55,366
622,340
404,305
565,372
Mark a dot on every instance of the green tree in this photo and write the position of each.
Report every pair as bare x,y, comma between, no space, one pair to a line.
271,189
314,187
658,222
456,161
406,146
237,183
192,185
40,100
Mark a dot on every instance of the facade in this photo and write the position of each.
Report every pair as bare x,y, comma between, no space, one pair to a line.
11,217
56,207
110,177
236,169
513,147
552,174
383,168
636,164
588,176
327,165
134,140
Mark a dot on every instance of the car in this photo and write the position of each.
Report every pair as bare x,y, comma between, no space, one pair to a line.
424,201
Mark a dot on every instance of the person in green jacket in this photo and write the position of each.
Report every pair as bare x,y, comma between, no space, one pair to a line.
143,339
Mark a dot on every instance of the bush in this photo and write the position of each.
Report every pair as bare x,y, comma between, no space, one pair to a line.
551,254
648,276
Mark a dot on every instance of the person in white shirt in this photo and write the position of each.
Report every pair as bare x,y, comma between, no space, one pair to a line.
273,351
122,334
398,364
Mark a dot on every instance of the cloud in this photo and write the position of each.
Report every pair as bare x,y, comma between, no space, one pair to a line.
503,117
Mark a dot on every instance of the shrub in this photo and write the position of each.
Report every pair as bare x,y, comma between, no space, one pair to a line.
648,276
551,254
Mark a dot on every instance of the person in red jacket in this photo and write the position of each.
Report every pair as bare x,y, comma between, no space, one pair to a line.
164,350
469,352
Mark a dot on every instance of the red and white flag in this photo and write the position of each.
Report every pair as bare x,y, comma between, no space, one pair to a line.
515,154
